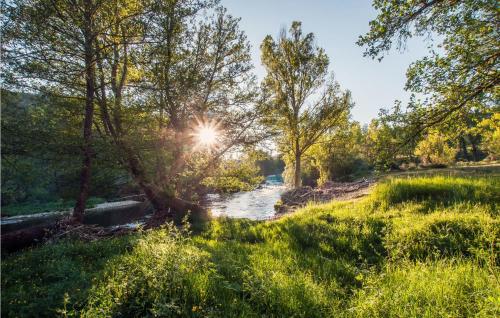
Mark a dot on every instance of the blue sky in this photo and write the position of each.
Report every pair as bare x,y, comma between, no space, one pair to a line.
337,25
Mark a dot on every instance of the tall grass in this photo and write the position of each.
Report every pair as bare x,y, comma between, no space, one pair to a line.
444,288
438,189
417,247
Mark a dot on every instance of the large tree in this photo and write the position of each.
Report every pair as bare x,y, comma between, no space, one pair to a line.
163,77
462,72
157,73
300,100
49,45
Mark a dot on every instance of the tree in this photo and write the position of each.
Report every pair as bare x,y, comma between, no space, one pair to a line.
161,77
462,128
389,139
463,72
300,101
49,44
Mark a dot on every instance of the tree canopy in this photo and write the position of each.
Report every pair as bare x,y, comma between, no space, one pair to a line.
461,71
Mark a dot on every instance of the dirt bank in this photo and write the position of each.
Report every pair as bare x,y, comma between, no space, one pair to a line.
297,198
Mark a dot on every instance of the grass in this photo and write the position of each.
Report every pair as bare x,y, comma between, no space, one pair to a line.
416,247
37,207
438,189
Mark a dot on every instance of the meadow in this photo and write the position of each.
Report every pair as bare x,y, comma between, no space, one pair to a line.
417,246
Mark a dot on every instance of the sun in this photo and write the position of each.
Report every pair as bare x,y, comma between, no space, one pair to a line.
206,135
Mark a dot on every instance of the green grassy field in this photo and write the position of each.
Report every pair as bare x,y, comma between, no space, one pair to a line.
416,247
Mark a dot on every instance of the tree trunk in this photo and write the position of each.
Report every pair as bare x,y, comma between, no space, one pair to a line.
89,113
165,205
475,150
296,176
463,145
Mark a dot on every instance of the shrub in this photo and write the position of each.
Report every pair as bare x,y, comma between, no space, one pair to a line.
162,276
435,150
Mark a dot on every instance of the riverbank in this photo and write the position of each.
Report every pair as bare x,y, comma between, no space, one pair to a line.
420,246
339,191
29,208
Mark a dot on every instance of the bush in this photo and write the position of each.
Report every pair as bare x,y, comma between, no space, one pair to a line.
162,276
234,176
434,149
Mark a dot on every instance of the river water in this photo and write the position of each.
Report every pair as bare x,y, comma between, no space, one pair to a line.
257,204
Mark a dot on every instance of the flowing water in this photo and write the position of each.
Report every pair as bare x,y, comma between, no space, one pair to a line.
257,204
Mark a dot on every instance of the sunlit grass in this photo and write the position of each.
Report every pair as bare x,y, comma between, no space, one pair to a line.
418,247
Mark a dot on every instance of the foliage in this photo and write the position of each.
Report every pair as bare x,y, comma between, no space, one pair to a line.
462,72
339,155
296,71
268,164
389,140
490,131
40,152
235,175
434,149
344,259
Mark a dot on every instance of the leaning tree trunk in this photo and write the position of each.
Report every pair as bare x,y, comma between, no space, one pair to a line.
164,205
89,113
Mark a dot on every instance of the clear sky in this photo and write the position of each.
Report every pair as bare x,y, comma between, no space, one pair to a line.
337,25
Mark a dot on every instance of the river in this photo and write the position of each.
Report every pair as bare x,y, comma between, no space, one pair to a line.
257,204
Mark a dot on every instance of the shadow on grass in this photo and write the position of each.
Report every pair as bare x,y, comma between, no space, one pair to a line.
35,282
295,265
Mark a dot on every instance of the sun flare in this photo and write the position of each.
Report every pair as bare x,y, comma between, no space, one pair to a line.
206,135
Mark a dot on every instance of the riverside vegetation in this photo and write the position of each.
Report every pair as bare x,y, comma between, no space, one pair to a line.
110,99
417,246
